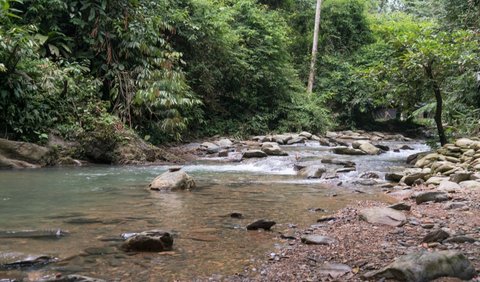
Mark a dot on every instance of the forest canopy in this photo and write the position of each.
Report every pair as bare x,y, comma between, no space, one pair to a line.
177,69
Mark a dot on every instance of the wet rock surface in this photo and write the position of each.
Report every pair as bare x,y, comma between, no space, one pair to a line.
149,241
173,181
261,224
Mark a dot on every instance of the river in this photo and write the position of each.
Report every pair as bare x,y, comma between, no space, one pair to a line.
96,204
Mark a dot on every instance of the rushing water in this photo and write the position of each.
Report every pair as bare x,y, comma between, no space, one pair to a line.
97,204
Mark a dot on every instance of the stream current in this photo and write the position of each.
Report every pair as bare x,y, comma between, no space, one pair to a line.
96,204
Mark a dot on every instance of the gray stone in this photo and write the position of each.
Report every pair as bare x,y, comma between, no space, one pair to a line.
435,236
71,278
333,270
314,171
401,206
272,149
20,260
22,155
370,149
348,151
471,184
149,241
393,176
296,140
436,180
385,216
448,186
254,154
431,196
464,143
318,240
410,179
210,147
305,134
425,266
458,176
455,205
173,181
460,240
261,224
224,143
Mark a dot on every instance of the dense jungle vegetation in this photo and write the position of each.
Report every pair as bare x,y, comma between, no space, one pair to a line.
178,69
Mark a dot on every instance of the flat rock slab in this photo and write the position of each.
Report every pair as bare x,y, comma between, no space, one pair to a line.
425,266
431,196
334,270
385,216
318,240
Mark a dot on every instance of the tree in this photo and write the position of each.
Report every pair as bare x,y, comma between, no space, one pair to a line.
311,77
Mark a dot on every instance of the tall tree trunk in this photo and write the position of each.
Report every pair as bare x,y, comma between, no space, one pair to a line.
311,77
439,100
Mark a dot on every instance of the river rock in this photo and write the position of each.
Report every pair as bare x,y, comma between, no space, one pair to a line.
401,206
385,216
20,261
34,234
369,148
261,224
455,205
314,171
254,154
348,151
149,241
460,176
464,143
173,181
436,180
393,176
427,160
305,134
333,270
296,140
426,266
411,178
448,186
272,149
471,184
224,143
281,138
431,196
435,236
318,240
210,147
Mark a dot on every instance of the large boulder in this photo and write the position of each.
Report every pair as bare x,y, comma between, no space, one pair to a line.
15,154
426,266
272,149
464,143
314,171
385,216
173,181
149,241
224,143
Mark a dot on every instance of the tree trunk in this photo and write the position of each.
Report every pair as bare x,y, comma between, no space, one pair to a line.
311,77
438,98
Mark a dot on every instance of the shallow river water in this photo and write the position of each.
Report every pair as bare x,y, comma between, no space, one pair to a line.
97,204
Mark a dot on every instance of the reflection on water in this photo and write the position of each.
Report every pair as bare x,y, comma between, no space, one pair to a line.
97,204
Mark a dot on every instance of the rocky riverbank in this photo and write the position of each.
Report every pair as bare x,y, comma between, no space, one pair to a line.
431,230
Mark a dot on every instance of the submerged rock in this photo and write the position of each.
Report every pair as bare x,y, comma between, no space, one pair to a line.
34,234
173,181
20,261
71,278
261,224
385,216
425,266
149,241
